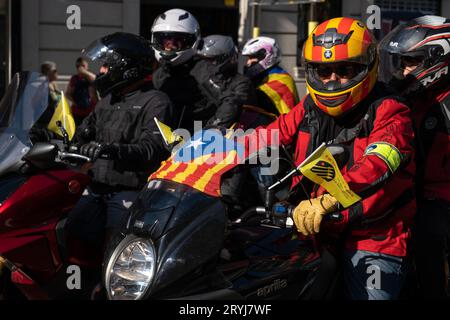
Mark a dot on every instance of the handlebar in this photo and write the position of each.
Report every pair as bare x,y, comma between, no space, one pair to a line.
249,213
70,152
284,210
281,215
63,154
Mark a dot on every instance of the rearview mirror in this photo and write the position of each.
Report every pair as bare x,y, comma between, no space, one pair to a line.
340,154
41,155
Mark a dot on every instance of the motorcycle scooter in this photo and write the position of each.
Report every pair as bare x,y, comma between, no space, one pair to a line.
37,190
181,242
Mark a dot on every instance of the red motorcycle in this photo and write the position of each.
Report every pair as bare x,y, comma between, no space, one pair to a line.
37,190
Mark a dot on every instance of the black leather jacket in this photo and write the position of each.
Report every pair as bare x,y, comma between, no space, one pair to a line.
128,122
205,92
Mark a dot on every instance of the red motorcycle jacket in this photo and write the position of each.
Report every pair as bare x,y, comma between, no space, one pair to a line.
379,136
432,120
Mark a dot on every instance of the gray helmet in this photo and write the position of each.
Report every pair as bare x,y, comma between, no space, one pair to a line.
424,41
220,49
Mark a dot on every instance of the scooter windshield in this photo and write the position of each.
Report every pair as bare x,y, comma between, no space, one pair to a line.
25,100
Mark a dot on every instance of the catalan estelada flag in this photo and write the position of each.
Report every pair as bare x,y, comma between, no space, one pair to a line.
280,88
201,161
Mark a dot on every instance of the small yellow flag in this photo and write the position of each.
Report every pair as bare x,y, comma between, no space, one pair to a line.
168,136
321,168
62,113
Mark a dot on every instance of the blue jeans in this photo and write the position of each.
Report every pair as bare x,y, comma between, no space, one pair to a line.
373,276
94,213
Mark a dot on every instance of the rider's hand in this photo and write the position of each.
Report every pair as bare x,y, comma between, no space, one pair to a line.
308,215
40,135
95,150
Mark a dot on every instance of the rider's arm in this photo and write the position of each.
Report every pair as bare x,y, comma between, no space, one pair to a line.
384,170
149,150
282,131
231,102
85,132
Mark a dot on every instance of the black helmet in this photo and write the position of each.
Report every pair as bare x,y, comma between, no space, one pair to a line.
221,51
129,58
424,43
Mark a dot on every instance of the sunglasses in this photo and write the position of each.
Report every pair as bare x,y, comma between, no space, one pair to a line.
342,70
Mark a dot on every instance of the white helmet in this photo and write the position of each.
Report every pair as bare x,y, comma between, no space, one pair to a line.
267,52
175,26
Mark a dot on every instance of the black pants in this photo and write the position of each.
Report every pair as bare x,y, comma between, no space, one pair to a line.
432,234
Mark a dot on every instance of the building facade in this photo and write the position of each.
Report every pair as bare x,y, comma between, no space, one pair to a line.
39,30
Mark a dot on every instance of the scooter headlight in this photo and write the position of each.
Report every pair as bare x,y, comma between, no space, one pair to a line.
130,269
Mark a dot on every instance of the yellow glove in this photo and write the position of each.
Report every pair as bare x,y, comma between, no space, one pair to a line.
308,215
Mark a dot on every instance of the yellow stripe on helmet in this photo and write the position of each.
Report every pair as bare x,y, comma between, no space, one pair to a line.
308,48
355,44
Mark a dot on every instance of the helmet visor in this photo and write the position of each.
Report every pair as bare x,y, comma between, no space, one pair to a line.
335,77
97,51
397,61
173,41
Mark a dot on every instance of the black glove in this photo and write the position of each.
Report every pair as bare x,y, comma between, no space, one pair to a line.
40,135
95,150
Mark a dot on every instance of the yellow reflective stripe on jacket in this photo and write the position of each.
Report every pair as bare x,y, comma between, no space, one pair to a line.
386,152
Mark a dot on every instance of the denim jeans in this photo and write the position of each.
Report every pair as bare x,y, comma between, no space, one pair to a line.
373,276
94,213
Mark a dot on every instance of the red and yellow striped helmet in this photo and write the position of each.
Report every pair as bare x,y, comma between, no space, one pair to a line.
341,40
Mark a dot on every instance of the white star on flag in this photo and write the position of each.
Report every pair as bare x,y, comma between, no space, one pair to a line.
196,143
